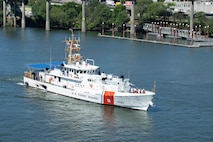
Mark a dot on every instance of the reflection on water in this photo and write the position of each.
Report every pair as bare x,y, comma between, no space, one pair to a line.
80,117
121,123
108,114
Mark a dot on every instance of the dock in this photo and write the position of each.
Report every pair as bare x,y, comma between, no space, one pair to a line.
195,44
194,36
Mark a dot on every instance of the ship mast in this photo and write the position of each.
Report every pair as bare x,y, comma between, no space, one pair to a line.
73,50
71,46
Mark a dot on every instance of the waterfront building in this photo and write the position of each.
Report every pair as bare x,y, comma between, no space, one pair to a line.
205,6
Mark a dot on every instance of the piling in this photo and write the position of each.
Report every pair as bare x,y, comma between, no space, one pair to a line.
83,26
23,15
47,15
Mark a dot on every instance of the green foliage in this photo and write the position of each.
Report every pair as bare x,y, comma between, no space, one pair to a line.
209,23
96,14
102,14
164,14
73,14
148,11
122,1
31,2
120,15
65,16
90,17
178,16
39,12
155,9
141,8
56,16
170,4
199,18
160,0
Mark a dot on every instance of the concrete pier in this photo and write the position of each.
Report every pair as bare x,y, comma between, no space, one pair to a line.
4,13
83,26
14,16
23,16
47,15
132,19
194,45
191,19
148,41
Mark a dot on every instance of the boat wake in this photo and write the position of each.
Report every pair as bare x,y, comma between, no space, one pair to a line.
20,83
151,104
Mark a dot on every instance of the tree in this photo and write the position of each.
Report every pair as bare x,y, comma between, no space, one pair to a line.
31,2
57,16
90,8
141,7
154,11
120,16
96,14
39,12
164,14
209,23
102,14
65,16
178,16
200,18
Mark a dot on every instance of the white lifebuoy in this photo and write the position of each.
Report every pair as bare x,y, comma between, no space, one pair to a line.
143,91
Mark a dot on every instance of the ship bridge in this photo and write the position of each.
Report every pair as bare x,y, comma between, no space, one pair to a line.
82,68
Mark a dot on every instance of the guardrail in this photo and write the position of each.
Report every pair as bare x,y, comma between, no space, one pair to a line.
175,32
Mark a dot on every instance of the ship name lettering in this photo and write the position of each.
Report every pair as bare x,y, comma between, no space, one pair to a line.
120,102
95,98
81,95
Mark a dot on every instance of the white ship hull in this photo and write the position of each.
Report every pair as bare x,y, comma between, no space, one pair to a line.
136,101
82,79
